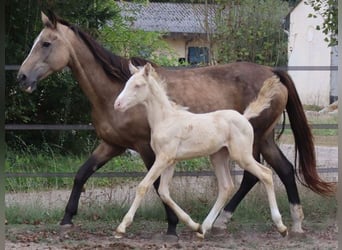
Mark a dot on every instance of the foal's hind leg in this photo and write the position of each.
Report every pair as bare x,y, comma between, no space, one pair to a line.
220,162
247,183
286,173
265,176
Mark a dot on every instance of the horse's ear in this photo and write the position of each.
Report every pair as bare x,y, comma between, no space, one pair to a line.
132,68
148,69
47,22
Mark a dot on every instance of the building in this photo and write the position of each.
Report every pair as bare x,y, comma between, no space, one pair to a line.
186,26
306,48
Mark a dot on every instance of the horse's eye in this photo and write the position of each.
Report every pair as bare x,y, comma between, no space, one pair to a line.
46,44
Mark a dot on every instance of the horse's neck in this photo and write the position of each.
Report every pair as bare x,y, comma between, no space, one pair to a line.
158,107
89,74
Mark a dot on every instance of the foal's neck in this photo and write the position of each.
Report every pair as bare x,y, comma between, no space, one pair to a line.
158,105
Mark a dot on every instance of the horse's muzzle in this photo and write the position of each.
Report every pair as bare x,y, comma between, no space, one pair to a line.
25,84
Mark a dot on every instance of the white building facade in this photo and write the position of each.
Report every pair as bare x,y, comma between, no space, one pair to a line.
307,48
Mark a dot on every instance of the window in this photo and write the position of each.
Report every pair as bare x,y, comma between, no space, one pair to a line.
198,55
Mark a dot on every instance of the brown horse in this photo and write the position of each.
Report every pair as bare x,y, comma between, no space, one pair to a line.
102,76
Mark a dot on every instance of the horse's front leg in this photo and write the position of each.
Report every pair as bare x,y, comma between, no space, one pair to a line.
158,167
102,154
164,193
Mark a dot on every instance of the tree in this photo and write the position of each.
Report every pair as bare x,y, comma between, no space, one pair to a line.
58,98
328,9
251,30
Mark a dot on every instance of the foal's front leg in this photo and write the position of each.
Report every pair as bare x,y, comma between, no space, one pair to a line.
158,167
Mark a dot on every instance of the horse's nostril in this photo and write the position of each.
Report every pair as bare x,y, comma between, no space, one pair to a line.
21,77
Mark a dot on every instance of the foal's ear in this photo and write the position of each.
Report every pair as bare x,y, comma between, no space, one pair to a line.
47,22
148,69
132,68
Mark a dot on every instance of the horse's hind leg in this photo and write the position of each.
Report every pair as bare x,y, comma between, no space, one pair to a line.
102,154
247,183
148,157
220,162
264,174
286,173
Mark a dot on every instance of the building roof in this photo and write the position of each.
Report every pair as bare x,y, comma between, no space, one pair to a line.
169,17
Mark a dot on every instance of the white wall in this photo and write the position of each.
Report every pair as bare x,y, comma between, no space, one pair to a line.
307,48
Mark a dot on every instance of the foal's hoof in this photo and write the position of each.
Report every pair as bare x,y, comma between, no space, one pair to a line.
118,235
284,233
200,233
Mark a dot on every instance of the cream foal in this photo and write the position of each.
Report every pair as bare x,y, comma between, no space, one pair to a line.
177,134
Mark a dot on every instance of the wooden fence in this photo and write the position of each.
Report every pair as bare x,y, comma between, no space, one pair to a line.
64,127
9,127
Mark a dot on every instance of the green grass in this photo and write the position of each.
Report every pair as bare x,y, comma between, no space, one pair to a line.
31,162
253,209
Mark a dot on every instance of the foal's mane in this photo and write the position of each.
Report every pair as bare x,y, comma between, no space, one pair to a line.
161,83
115,67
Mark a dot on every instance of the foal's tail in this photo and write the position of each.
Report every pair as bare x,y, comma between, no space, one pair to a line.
303,140
263,101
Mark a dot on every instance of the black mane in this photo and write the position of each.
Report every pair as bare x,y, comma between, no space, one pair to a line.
115,67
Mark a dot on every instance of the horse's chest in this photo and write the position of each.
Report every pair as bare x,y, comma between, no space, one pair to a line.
121,129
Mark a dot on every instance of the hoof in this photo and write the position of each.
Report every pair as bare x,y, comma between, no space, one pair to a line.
217,231
223,219
284,233
169,238
118,235
66,227
297,235
200,235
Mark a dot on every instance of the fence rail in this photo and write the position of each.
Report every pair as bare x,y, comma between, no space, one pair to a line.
138,174
286,68
64,127
90,127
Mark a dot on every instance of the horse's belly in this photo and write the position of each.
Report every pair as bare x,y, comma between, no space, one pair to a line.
198,146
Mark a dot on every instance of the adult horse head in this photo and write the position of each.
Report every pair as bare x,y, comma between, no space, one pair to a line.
49,53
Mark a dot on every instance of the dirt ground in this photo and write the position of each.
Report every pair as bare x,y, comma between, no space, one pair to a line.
148,235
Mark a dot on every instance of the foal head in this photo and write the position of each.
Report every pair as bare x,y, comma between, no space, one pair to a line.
138,88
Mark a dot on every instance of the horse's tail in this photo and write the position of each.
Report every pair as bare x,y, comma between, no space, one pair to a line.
303,140
264,98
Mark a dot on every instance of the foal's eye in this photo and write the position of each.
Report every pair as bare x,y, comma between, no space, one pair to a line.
46,44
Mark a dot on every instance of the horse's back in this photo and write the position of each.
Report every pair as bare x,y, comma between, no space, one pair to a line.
205,89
